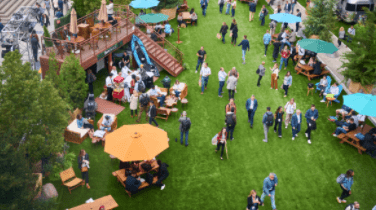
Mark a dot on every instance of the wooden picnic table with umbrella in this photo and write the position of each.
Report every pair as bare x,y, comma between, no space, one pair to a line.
73,28
136,142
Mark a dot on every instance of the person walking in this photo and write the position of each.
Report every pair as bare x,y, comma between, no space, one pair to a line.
296,121
234,72
253,201
221,3
274,79
285,54
230,123
61,6
201,54
45,21
245,45
278,121
287,7
221,140
341,36
133,102
56,6
144,103
251,106
311,115
234,32
267,38
299,14
293,3
261,73
222,78
233,7
223,31
287,81
262,17
231,84
252,10
204,73
152,113
289,109
228,6
35,46
204,4
268,189
345,181
272,26
83,165
277,44
47,5
267,121
185,125
355,206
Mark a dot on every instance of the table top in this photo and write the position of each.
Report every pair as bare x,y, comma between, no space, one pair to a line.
330,99
107,201
76,40
170,101
186,15
104,26
83,25
121,173
118,79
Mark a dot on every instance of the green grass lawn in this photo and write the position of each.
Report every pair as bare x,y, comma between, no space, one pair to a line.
198,178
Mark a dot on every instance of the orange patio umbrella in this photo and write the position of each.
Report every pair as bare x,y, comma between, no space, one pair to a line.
136,142
103,12
73,22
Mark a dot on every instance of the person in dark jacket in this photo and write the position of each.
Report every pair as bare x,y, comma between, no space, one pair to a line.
132,183
35,46
277,45
252,10
45,21
223,31
162,174
316,67
345,128
369,142
152,113
292,55
234,31
61,6
278,121
90,79
148,176
231,123
296,122
311,115
251,106
83,165
253,201
245,45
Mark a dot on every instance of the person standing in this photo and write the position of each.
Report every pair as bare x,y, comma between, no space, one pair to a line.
251,106
278,121
261,73
287,7
35,46
201,58
144,102
253,201
231,84
234,31
351,32
341,35
230,123
228,6
110,86
125,60
204,73
56,6
267,121
272,26
297,23
277,44
133,102
61,6
234,72
285,54
90,79
263,14
245,45
267,38
233,5
45,21
221,140
204,4
222,78
221,3
311,115
289,109
287,81
345,181
83,165
252,10
162,174
268,189
274,79
293,3
230,105
296,121
185,125
152,113
47,5
223,31
292,55
110,10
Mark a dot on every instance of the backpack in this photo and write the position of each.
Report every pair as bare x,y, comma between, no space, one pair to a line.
144,100
280,37
141,87
229,120
340,178
312,125
269,119
351,205
185,125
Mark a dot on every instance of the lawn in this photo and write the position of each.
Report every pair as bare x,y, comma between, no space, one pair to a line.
198,178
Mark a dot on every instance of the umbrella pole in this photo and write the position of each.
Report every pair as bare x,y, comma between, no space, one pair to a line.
179,42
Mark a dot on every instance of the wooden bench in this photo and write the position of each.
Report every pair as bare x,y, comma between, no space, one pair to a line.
351,139
163,111
69,179
107,201
306,70
142,186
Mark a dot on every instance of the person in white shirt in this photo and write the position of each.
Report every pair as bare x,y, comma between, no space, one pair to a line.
177,88
56,6
106,123
221,77
110,10
204,73
114,71
351,31
289,109
125,72
274,79
284,40
332,90
110,86
154,92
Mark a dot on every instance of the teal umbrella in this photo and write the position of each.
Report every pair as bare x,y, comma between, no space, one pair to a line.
154,18
317,46
364,104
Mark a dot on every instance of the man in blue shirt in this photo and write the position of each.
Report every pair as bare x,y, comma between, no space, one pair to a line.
267,38
204,5
158,94
168,30
251,106
245,45
311,115
252,10
222,78
296,121
268,188
59,14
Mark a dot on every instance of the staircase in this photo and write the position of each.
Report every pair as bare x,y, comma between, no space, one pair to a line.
160,55
8,7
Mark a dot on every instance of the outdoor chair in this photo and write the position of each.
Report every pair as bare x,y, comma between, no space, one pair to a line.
327,87
114,121
69,179
94,39
74,134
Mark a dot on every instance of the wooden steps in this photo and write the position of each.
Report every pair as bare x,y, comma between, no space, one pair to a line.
8,7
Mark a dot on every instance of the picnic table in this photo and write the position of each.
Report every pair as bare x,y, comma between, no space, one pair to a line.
352,139
186,15
307,70
120,174
107,201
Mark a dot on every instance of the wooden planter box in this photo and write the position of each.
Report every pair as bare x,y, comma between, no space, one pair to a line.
170,12
355,87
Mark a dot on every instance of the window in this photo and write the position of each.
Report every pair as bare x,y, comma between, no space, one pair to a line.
360,7
350,7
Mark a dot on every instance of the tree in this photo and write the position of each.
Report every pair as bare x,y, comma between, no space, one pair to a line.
47,42
84,7
72,79
168,4
361,64
321,19
51,75
31,110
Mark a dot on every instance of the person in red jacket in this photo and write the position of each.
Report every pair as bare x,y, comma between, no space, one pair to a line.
285,56
221,140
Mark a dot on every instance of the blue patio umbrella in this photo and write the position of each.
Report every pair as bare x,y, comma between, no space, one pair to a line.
154,18
364,104
285,18
144,4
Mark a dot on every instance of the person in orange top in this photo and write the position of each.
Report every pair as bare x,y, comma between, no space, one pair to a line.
285,55
230,105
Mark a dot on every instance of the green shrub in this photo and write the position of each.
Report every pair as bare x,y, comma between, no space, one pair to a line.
168,4
47,34
63,20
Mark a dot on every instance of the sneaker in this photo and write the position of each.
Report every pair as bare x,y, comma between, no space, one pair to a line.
163,187
280,136
334,135
322,101
338,200
196,71
264,140
276,89
309,141
275,131
274,61
293,138
344,201
236,91
306,135
220,96
296,135
265,55
286,127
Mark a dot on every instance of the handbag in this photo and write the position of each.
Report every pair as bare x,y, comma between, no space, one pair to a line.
231,34
312,125
219,36
258,71
199,82
84,169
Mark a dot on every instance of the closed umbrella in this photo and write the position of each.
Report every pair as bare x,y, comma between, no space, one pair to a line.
285,18
136,142
364,104
317,46
103,12
154,18
73,22
144,4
